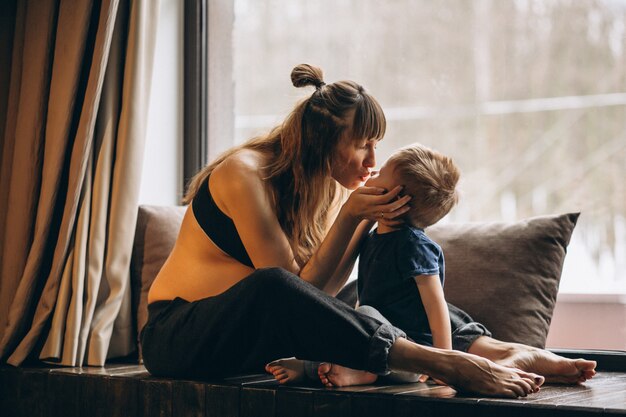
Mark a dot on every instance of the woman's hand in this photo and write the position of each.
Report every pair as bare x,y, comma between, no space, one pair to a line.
374,203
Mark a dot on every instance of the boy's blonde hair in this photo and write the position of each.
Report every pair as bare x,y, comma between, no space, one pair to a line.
430,178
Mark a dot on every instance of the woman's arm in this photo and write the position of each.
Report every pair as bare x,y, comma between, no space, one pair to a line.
436,308
346,265
338,277
239,191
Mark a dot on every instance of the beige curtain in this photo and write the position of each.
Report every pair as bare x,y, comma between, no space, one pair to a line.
72,159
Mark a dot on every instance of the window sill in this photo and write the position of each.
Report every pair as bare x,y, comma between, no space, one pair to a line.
608,360
591,298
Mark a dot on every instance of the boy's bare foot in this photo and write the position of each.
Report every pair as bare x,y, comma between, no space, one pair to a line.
286,370
333,375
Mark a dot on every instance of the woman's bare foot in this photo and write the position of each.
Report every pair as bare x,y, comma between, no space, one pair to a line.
286,370
556,369
463,371
475,374
333,375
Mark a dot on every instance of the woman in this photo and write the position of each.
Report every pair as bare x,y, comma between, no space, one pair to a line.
267,241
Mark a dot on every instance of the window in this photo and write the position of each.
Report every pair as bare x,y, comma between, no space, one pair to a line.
529,97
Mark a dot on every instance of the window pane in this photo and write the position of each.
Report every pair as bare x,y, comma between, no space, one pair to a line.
528,97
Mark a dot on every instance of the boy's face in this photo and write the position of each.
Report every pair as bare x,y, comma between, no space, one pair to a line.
383,178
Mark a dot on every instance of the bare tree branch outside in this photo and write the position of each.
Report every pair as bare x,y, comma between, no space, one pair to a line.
529,97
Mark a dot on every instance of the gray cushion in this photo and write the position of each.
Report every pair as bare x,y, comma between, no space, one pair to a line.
156,232
506,275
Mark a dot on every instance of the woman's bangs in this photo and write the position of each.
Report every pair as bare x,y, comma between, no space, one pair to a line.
369,120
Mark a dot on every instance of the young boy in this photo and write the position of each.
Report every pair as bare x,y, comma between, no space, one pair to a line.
401,270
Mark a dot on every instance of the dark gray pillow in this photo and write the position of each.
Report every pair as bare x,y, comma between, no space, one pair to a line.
156,232
506,275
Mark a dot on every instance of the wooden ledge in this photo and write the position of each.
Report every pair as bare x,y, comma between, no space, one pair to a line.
129,390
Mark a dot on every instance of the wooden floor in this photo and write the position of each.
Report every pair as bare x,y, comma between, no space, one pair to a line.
128,390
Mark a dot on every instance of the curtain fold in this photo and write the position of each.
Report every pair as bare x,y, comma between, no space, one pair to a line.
8,10
9,287
73,219
111,322
25,124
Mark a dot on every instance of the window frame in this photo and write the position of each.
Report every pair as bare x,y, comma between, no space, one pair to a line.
195,92
209,101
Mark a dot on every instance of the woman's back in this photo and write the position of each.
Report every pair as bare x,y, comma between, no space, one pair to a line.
197,267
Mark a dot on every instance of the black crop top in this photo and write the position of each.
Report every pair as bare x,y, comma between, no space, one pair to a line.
218,226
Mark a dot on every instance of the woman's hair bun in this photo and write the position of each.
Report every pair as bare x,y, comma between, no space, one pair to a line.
305,74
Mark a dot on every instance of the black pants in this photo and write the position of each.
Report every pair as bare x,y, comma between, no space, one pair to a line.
268,315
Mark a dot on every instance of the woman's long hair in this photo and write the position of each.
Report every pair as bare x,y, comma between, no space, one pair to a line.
299,154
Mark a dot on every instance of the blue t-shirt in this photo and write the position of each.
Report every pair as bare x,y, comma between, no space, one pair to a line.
388,265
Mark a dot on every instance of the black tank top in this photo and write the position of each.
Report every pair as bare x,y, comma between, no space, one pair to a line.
218,226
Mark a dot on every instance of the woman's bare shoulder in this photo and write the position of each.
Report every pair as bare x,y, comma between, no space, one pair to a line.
238,178
243,164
